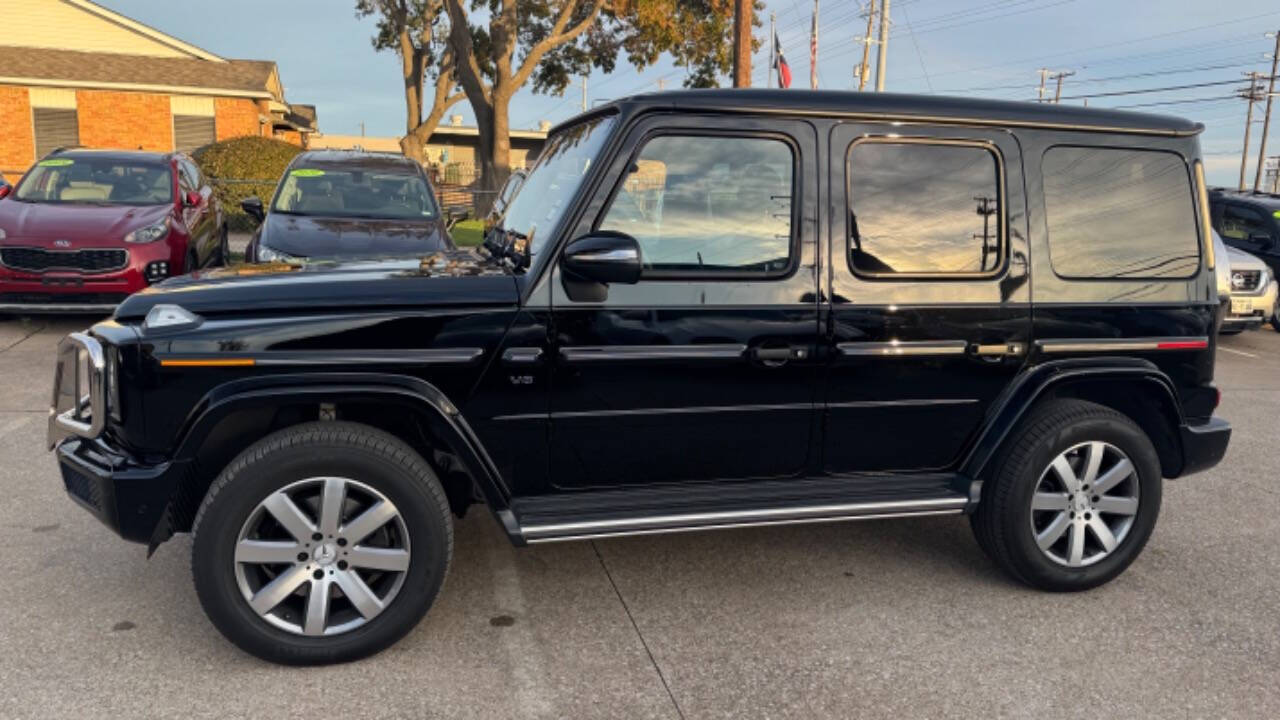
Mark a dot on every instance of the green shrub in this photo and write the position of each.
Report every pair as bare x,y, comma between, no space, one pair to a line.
468,233
243,167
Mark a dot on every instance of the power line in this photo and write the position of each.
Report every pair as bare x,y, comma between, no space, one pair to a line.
1151,90
1217,98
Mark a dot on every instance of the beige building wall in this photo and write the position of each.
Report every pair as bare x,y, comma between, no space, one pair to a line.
61,25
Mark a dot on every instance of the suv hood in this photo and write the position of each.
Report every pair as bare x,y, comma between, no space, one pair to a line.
442,279
323,237
92,225
1240,260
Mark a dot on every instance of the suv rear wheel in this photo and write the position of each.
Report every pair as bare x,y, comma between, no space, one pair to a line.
323,542
1073,499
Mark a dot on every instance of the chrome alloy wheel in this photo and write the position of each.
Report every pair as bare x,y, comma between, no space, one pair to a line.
1084,504
322,556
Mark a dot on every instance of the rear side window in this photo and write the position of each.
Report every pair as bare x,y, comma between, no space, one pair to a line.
1115,213
924,208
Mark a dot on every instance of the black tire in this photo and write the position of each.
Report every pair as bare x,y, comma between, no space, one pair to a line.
192,262
343,449
1275,321
1232,331
1002,522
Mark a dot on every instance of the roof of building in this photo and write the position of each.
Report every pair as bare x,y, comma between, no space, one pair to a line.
71,68
894,106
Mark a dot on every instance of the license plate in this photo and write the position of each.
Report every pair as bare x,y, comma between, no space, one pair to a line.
1241,307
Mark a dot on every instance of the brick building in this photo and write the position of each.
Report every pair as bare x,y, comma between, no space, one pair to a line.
75,73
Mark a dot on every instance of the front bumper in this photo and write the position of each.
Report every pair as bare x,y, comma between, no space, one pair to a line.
1204,445
71,291
1248,310
129,497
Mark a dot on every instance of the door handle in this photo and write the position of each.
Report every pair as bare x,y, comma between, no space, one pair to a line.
1012,349
778,356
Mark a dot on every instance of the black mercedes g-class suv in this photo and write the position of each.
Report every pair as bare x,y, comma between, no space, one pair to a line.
701,310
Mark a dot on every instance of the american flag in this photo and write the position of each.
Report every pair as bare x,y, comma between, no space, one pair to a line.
813,49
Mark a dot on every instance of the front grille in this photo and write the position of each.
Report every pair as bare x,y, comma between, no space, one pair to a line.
82,487
62,298
88,260
1245,280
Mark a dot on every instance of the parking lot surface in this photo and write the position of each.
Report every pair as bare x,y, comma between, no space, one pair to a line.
901,618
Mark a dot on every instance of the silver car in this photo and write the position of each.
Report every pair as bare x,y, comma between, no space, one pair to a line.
1245,287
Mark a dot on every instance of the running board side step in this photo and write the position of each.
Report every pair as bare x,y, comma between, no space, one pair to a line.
687,522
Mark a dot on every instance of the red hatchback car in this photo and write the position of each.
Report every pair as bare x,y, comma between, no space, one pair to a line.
83,229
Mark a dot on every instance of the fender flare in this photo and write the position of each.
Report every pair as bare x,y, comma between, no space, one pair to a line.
409,392
1033,383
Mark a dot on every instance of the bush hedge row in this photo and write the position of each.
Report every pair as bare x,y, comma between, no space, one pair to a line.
242,167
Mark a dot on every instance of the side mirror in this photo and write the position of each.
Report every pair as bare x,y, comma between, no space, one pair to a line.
252,207
4,191
591,262
452,217
191,199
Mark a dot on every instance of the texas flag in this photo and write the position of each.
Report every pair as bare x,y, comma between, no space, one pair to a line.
784,70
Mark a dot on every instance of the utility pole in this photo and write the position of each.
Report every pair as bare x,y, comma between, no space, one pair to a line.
882,60
1252,94
813,49
773,44
864,70
584,93
742,43
661,83
1266,122
1044,76
1057,93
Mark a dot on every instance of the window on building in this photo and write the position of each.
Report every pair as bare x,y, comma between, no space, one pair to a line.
54,119
714,205
924,208
1116,213
193,122
191,132
55,128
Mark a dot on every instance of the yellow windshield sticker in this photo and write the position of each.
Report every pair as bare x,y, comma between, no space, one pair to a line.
306,172
56,162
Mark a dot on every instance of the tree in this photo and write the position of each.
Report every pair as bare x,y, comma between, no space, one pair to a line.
409,28
560,39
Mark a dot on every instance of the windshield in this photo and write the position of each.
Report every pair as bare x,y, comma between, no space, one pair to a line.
97,181
545,193
355,193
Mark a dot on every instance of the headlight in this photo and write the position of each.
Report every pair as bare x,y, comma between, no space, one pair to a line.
150,233
266,254
170,317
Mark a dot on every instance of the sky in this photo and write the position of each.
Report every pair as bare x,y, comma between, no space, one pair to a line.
975,48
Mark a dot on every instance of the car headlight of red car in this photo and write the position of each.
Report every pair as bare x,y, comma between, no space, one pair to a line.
150,233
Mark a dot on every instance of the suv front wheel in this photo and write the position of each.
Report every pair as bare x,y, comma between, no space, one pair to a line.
321,543
1073,499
